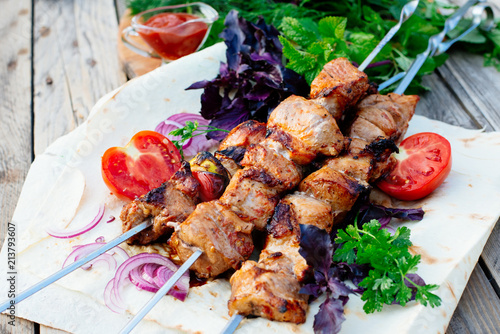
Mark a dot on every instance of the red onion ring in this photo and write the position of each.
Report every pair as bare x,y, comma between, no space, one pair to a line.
72,234
84,250
136,269
110,299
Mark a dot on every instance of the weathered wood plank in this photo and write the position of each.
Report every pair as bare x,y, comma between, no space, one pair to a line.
75,63
475,86
479,308
15,116
491,254
441,104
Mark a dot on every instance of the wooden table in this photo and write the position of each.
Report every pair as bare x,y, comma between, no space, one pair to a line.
59,57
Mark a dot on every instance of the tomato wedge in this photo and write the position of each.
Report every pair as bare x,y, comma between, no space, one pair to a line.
424,162
148,160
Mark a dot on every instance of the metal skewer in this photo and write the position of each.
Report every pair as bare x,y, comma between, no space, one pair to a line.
437,45
162,292
406,12
75,265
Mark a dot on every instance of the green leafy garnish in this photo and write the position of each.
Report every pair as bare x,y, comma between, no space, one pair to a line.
391,277
309,46
189,131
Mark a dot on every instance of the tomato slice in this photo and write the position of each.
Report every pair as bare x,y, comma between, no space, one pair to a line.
148,160
424,162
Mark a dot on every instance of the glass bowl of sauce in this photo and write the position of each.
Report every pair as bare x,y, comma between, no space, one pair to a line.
172,32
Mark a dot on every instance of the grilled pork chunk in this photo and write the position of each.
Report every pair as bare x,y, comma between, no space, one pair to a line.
269,294
223,237
385,116
305,129
273,158
233,147
173,201
382,117
339,86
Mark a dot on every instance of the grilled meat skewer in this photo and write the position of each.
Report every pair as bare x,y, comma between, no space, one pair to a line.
298,131
270,287
254,191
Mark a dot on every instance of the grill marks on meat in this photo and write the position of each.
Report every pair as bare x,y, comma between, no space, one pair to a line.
324,198
233,147
298,131
223,237
271,157
339,86
385,116
251,195
272,295
379,118
173,201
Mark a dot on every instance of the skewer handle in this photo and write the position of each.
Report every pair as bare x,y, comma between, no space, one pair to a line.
73,266
233,323
162,292
434,45
406,12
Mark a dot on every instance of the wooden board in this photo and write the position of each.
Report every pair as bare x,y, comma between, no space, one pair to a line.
16,118
133,64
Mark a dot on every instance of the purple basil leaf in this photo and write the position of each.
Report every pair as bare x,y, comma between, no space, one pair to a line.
253,81
384,215
330,317
311,289
338,288
316,247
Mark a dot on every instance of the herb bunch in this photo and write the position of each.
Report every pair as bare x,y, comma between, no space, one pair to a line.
391,279
367,22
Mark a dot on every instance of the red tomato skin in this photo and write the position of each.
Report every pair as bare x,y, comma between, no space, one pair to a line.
148,160
427,166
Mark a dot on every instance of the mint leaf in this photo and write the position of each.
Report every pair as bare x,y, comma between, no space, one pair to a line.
332,26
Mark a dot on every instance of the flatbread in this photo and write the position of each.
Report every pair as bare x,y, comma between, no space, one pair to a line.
64,188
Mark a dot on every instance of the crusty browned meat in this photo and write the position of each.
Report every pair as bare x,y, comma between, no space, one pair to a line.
252,194
232,148
223,237
269,294
384,116
244,135
333,187
173,201
271,157
305,129
339,86
356,161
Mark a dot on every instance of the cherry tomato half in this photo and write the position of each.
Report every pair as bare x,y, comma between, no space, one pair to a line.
148,160
424,162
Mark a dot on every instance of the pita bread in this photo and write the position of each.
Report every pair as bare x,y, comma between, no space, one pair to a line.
64,188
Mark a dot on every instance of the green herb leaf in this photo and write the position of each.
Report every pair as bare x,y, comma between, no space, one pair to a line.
391,261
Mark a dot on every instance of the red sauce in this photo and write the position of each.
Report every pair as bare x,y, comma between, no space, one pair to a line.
174,42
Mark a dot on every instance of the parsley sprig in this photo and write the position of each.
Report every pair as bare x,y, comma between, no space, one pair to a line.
189,131
392,278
